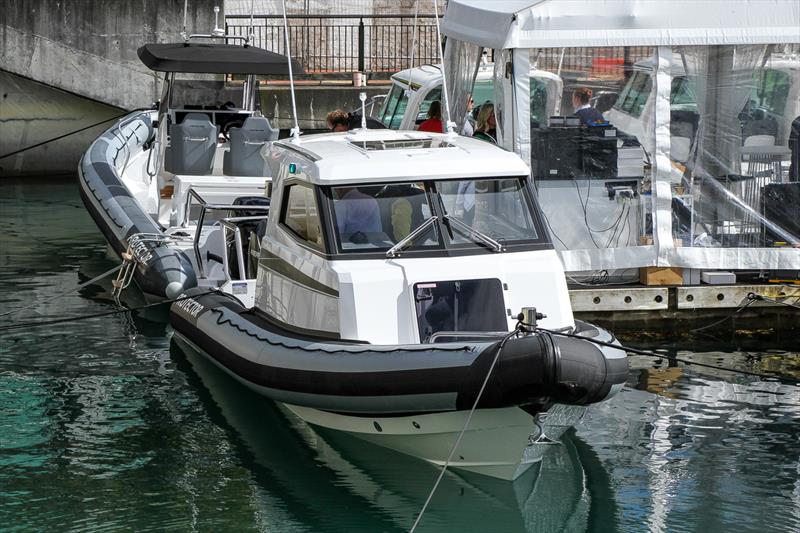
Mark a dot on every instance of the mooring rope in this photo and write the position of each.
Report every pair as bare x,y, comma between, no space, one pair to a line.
635,351
40,323
466,424
64,135
749,300
79,287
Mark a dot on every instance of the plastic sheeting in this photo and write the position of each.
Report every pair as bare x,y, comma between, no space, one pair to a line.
503,24
700,175
461,60
736,204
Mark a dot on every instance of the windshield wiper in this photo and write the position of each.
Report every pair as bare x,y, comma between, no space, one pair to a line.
403,243
475,235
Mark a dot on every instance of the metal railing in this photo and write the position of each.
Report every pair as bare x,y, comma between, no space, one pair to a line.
344,43
232,224
590,63
205,207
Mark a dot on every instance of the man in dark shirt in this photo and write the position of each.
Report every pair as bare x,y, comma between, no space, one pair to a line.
794,146
580,102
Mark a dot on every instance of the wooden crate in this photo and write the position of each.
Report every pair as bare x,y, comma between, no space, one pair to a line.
661,276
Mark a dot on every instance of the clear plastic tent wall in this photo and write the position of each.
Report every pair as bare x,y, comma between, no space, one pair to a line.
688,160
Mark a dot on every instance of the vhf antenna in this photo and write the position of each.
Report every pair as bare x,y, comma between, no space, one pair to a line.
296,129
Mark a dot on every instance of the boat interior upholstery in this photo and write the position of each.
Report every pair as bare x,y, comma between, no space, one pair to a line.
193,143
244,158
196,149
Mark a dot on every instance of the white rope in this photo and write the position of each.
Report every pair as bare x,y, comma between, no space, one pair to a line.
296,129
463,429
82,285
450,124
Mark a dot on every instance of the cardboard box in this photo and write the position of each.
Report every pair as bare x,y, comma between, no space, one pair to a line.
661,276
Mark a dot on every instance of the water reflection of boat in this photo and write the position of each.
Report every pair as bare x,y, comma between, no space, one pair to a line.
385,489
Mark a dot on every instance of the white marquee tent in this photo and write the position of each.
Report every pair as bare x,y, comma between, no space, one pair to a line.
714,41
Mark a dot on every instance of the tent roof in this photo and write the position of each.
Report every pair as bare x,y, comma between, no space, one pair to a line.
213,58
575,23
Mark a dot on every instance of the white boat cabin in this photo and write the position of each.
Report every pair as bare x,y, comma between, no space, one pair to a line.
404,237
414,90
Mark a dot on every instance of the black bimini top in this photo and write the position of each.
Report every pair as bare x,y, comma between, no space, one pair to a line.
213,58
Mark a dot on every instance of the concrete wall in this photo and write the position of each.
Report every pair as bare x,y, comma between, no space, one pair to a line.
313,103
89,47
31,113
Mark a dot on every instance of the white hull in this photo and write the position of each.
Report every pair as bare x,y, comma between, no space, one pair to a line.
500,443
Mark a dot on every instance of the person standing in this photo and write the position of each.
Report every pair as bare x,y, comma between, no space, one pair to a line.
794,146
469,128
486,128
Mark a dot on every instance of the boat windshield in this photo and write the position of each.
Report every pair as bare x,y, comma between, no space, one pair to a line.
486,213
373,218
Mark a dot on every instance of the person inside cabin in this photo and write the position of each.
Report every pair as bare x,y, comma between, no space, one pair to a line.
434,122
402,208
589,116
465,202
357,215
486,127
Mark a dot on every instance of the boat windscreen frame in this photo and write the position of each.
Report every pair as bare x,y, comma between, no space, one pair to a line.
446,248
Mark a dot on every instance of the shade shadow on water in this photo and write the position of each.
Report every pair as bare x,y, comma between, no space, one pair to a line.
107,424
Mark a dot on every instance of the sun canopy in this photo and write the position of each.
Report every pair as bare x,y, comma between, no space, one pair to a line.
211,58
579,23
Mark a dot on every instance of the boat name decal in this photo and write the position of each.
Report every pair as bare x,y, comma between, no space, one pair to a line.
191,306
140,250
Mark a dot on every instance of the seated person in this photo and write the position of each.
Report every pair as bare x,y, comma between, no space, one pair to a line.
465,202
402,208
589,116
434,122
357,214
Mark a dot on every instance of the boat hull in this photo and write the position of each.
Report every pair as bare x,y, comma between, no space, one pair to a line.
414,399
501,443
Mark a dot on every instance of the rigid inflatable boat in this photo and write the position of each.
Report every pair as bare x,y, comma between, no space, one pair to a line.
164,185
389,276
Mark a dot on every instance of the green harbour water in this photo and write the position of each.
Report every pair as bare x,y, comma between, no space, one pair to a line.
110,424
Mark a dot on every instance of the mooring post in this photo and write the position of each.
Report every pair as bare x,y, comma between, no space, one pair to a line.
361,45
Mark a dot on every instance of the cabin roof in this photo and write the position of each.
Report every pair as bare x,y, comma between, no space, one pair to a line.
424,74
356,156
214,58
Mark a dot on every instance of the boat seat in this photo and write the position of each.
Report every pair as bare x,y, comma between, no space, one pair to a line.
245,157
193,143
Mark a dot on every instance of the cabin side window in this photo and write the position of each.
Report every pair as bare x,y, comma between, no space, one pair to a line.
395,107
433,95
301,216
634,97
